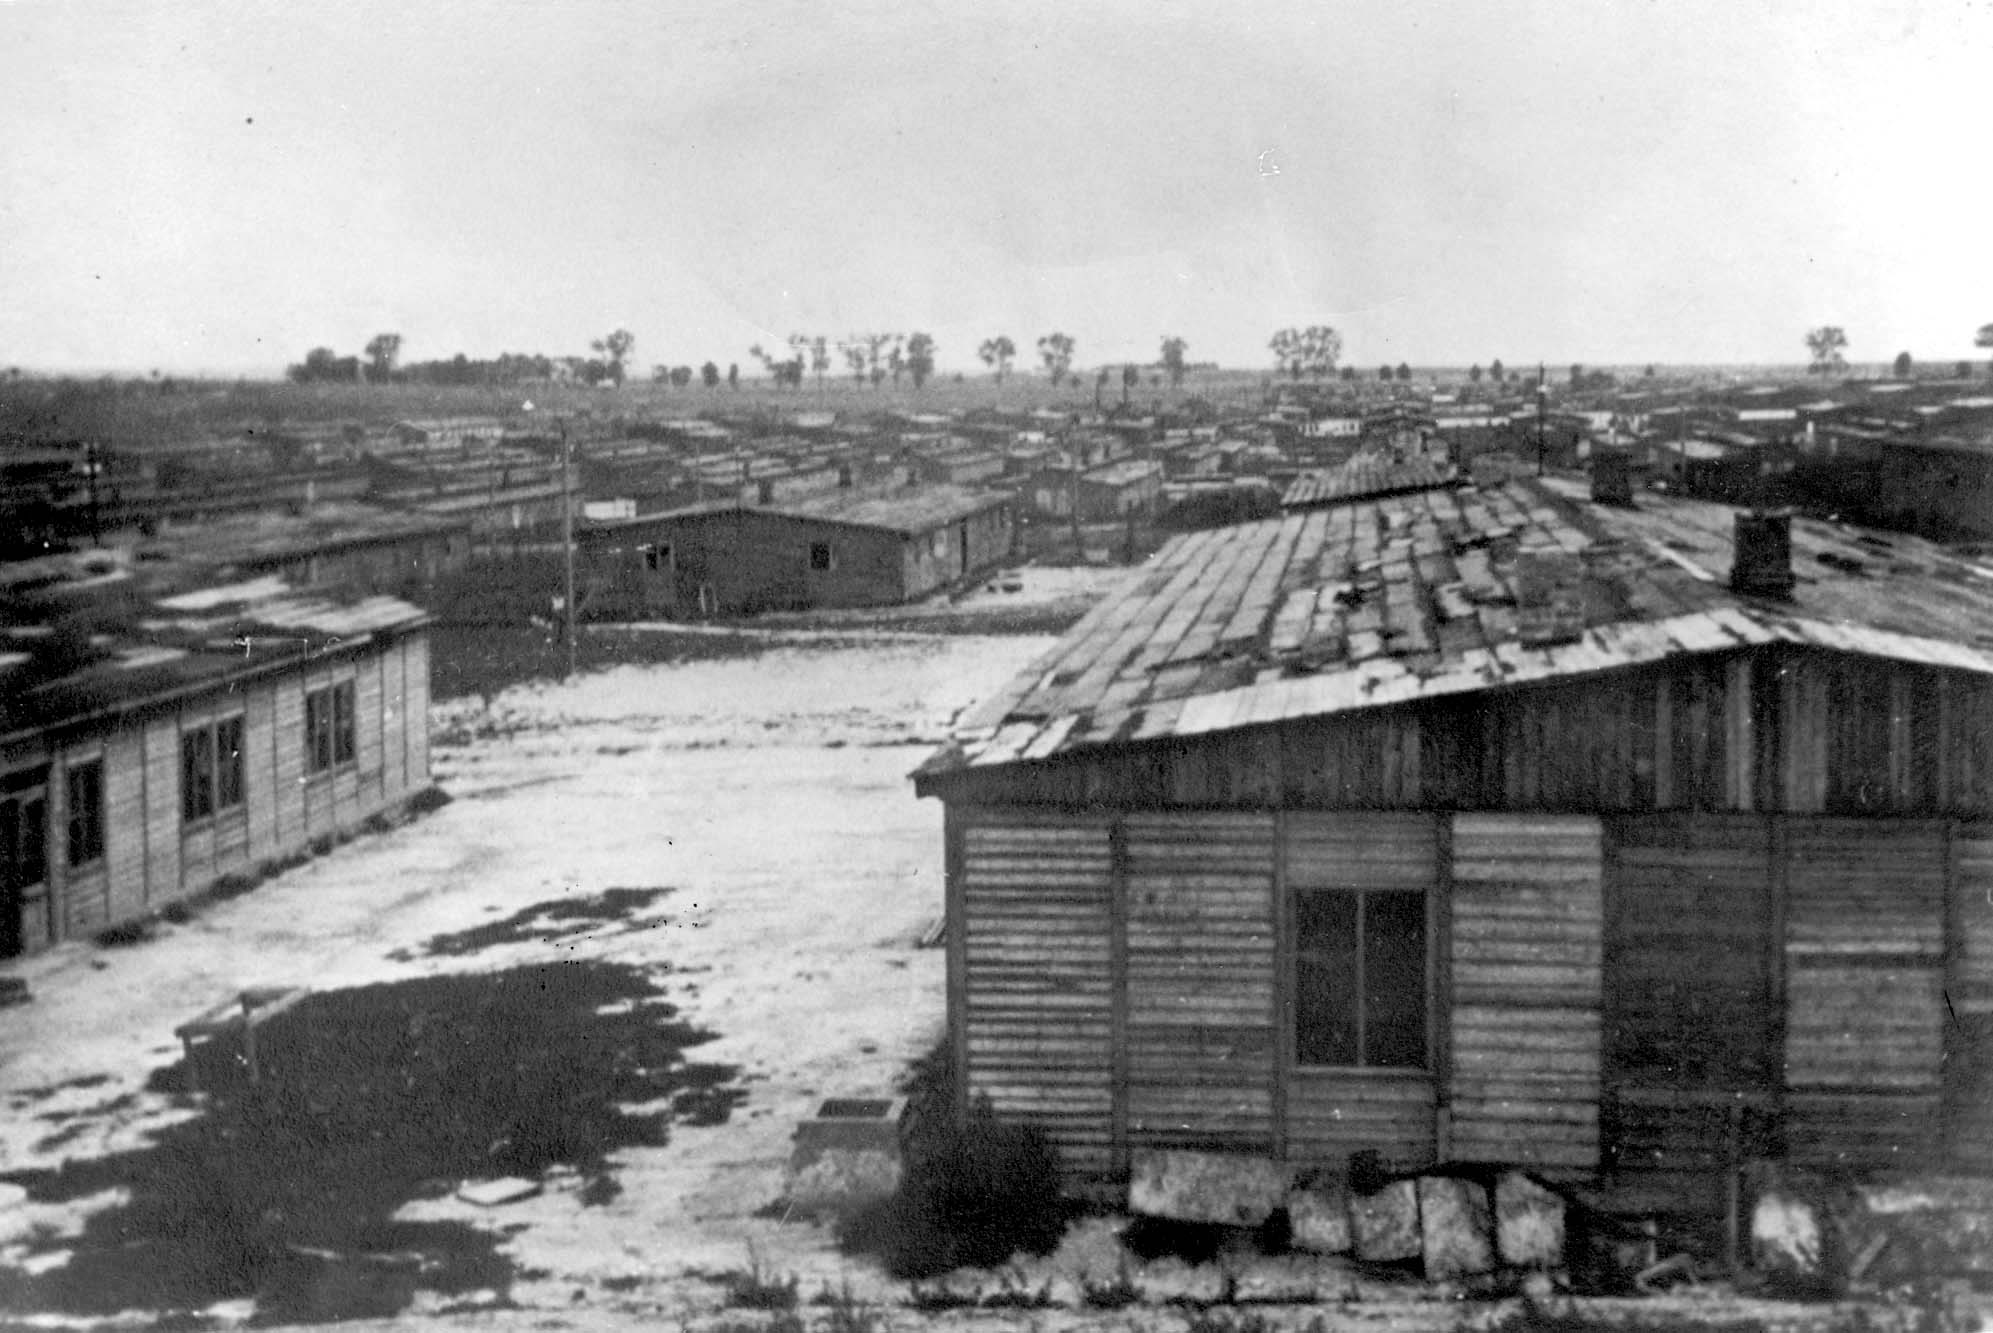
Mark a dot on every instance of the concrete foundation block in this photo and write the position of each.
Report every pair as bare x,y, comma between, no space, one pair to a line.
1529,1223
1456,1228
1385,1225
1231,1189
848,1154
1318,1219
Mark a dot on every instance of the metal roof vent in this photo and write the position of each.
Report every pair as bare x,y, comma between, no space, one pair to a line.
1550,596
1761,564
1612,477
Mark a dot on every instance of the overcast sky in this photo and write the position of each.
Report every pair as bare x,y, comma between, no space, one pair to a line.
221,186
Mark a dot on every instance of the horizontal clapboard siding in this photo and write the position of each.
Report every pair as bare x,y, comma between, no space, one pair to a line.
1200,980
1037,983
1864,943
1525,979
1968,1107
1333,1114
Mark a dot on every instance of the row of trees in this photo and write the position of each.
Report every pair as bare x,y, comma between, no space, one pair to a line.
381,365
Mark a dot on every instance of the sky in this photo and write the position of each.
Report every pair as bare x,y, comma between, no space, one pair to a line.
218,187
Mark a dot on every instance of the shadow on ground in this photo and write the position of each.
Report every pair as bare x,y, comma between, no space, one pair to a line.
546,923
285,1189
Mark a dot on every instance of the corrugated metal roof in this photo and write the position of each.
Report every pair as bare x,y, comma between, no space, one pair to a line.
913,509
1413,597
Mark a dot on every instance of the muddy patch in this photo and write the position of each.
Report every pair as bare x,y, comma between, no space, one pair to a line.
285,1190
547,923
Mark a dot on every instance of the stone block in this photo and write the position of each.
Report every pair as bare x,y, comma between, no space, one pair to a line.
1318,1219
1529,1223
1385,1225
1455,1228
1231,1189
846,1155
1787,1237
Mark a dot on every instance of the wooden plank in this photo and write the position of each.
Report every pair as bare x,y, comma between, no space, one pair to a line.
162,810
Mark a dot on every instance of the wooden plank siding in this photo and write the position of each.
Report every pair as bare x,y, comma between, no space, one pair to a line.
153,856
1864,956
1759,730
1968,1096
1200,981
1692,1008
1036,1023
1526,949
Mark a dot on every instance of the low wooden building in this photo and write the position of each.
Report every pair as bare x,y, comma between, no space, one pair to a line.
1493,826
846,547
154,743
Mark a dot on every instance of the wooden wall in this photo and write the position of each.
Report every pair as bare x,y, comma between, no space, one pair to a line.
1649,996
153,857
1771,730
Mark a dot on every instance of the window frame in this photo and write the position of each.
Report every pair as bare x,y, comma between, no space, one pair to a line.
83,812
829,561
212,778
1428,978
330,728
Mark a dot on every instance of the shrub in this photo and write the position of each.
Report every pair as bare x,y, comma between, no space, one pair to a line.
974,1189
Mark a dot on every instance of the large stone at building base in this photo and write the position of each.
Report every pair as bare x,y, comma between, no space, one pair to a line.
1529,1223
1386,1224
1231,1189
1318,1219
1455,1228
848,1154
1788,1238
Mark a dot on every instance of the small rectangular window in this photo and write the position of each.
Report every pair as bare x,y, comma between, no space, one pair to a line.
657,558
228,763
197,774
1360,978
820,556
86,812
329,727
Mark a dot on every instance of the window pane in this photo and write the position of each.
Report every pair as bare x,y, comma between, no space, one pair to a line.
342,712
1325,997
197,793
86,816
228,763
34,840
317,735
1394,980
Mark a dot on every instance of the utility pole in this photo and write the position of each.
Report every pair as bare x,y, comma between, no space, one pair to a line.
1542,395
567,543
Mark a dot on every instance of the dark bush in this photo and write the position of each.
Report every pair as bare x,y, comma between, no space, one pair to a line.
974,1190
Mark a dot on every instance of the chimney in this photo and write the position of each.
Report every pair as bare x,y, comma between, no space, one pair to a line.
1612,477
1761,563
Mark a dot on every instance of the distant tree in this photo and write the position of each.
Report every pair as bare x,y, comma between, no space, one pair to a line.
615,349
896,359
733,375
1648,373
853,352
997,353
1384,373
1173,362
1286,349
1495,371
322,365
1577,374
920,358
1964,369
1056,351
1100,380
816,348
789,372
1983,338
1826,345
1404,373
1313,350
1130,377
1902,366
709,375
1349,374
382,352
681,376
660,374
1474,373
